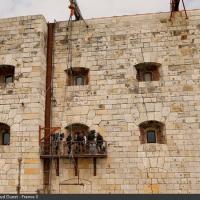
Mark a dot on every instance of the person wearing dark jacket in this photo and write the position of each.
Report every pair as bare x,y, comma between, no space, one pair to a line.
99,142
91,136
80,142
69,143
91,141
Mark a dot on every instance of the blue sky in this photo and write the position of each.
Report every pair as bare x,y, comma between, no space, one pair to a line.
58,9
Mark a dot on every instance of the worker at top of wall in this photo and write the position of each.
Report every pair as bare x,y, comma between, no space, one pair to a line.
175,5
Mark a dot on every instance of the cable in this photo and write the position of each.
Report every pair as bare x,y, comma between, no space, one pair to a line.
70,72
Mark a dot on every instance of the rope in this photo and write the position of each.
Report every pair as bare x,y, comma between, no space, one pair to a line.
69,67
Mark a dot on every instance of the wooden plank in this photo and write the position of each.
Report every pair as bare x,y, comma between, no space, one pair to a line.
75,156
76,166
95,166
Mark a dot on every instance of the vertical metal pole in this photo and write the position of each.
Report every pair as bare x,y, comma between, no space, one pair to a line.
47,136
184,9
57,167
40,135
95,166
19,175
76,166
171,7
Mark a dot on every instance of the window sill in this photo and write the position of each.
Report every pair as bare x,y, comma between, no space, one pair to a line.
152,147
4,148
7,88
149,84
78,87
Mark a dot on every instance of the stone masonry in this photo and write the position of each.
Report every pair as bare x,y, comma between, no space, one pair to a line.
22,42
113,103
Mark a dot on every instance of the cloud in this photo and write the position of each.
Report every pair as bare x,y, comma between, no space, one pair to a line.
58,10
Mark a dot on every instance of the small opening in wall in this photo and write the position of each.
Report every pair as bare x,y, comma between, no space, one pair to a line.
148,72
77,76
5,134
6,74
152,132
151,137
79,80
148,76
9,79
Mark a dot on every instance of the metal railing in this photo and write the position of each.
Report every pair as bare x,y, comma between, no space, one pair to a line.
63,148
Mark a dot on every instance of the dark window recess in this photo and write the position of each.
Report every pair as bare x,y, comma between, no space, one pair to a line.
9,79
151,137
73,128
147,72
77,76
79,80
152,132
148,76
6,138
5,134
6,74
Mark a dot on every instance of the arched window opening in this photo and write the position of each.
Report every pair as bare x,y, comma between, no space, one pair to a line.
152,132
74,128
77,76
147,72
6,74
4,134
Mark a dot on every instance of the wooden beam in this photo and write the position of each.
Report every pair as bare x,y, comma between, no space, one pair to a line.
57,167
95,166
76,167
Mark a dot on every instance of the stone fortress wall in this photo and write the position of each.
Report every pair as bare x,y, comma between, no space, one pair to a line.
22,45
114,102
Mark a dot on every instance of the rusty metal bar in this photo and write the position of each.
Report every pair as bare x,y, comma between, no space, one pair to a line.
95,166
40,129
51,130
81,184
50,42
57,167
76,167
78,149
19,175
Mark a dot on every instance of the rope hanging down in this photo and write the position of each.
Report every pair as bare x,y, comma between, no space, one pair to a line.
74,12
